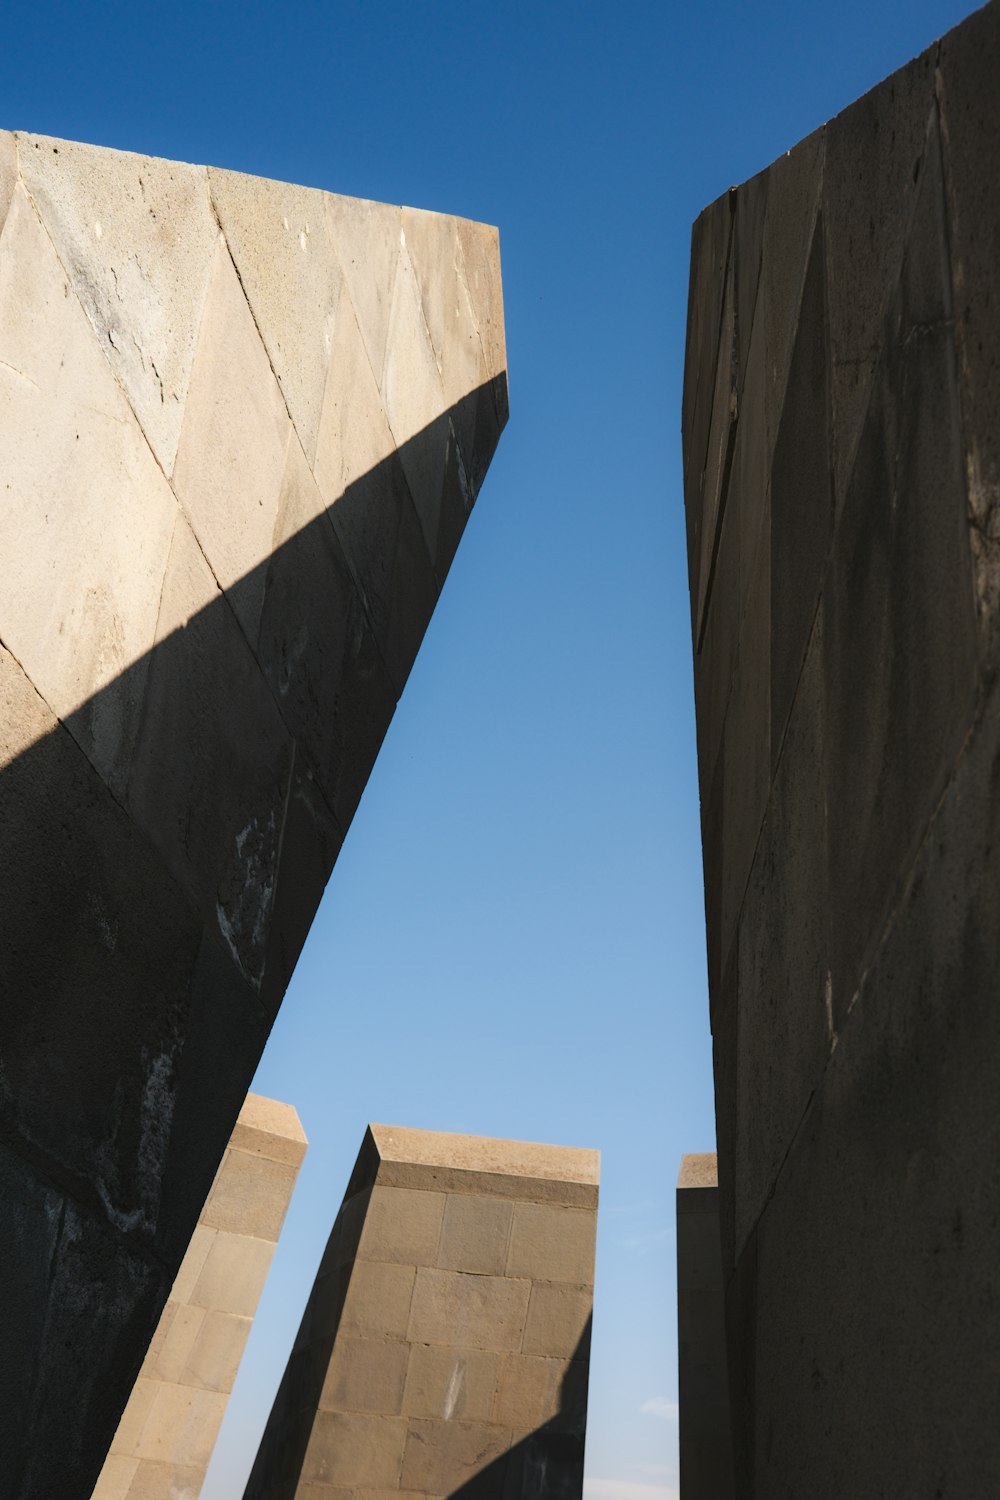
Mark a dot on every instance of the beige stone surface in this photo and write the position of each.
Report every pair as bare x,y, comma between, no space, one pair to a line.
233,443
558,1320
280,240
475,1312
448,1383
135,236
698,1170
366,236
378,1299
529,1390
116,1477
402,1225
476,1234
181,1425
233,1274
441,1455
87,516
437,1338
365,1375
552,1244
250,1195
354,1449
481,1154
8,171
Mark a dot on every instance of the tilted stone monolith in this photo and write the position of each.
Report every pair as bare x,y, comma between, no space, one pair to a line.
705,1444
168,1429
445,1346
242,425
842,475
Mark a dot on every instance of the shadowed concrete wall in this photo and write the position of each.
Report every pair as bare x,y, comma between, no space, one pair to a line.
842,478
168,1429
445,1345
242,426
706,1448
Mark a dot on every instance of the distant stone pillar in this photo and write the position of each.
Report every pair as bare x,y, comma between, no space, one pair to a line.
446,1341
706,1451
167,1432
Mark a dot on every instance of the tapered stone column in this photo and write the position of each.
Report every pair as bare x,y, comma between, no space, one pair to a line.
243,425
168,1429
445,1346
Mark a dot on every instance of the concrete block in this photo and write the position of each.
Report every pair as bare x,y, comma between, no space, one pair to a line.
402,1225
412,1377
215,1355
552,1244
558,1321
441,1455
365,1375
234,1272
446,1383
269,1128
450,1307
475,1235
355,1450
378,1299
136,237
182,1423
250,1196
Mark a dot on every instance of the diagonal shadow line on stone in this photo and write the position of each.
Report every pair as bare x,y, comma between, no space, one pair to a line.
148,933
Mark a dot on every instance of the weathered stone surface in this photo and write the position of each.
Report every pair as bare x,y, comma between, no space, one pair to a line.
279,239
135,236
845,681
167,1431
415,1371
87,514
215,581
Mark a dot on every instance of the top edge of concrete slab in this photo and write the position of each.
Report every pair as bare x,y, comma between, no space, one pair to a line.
476,1153
55,142
272,1115
700,1170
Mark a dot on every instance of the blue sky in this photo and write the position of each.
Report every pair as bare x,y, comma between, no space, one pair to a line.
512,941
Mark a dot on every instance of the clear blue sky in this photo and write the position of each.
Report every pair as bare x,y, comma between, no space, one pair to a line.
512,941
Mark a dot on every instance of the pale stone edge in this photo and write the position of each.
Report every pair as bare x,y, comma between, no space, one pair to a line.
486,1155
698,1170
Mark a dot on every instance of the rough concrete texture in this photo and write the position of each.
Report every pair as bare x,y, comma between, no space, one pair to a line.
842,476
445,1347
705,1436
168,1429
243,425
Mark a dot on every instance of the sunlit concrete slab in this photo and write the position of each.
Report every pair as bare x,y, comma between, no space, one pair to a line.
243,424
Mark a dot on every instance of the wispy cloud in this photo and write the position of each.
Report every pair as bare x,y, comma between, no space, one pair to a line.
627,1489
659,1406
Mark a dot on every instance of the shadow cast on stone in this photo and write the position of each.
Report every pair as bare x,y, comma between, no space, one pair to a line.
166,847
547,1464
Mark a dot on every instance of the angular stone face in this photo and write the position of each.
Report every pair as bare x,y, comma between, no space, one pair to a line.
844,588
243,424
168,1429
446,1342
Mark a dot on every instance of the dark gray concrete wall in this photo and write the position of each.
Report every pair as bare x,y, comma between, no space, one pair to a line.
841,429
240,443
705,1434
